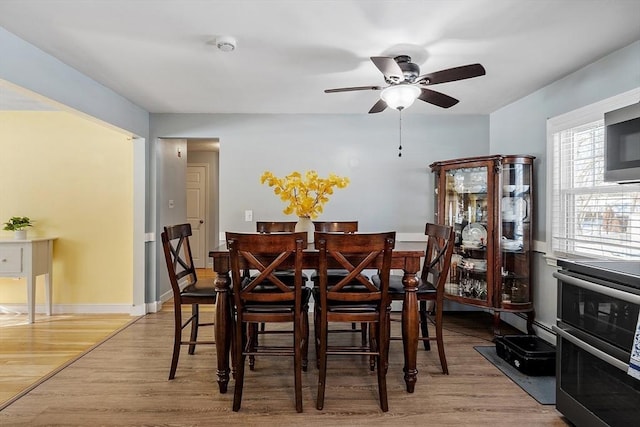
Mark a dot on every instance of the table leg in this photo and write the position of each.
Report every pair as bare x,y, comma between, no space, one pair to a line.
47,293
223,329
31,297
410,326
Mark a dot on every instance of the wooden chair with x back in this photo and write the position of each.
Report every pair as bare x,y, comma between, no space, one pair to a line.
275,226
287,275
336,226
431,285
265,298
187,289
267,227
354,298
349,227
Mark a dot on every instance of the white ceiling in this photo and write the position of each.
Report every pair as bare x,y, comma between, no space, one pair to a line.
158,53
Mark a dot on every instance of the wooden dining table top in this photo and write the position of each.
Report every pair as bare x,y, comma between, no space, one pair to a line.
401,248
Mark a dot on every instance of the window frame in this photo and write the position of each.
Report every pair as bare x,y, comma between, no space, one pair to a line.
571,119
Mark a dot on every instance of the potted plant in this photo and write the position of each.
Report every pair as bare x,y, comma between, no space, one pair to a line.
18,225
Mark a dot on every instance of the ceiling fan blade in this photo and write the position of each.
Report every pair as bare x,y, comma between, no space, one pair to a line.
378,107
389,68
349,89
452,74
437,98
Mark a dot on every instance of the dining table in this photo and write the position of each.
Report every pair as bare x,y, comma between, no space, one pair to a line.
406,257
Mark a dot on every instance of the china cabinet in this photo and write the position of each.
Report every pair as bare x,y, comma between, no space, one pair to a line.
488,201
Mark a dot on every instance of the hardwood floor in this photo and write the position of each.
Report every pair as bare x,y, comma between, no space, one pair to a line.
124,382
31,352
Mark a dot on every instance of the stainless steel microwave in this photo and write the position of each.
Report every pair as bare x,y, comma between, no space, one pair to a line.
622,144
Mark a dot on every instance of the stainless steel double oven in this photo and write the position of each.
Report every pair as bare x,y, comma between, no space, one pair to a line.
598,308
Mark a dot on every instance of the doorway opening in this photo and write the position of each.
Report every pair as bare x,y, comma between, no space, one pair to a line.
202,197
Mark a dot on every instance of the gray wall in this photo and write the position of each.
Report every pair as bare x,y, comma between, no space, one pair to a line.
522,127
386,192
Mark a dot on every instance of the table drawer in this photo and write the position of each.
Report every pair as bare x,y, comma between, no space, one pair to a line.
11,260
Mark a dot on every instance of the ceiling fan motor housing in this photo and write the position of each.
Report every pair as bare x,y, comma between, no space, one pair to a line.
409,69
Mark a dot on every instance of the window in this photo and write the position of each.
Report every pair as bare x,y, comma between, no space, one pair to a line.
586,216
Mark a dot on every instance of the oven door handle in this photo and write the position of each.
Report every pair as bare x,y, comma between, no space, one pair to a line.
605,290
591,349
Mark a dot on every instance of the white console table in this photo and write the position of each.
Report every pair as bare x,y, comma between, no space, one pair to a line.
29,258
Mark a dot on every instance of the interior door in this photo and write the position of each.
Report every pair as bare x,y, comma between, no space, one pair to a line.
196,211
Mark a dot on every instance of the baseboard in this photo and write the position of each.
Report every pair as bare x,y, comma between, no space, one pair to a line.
156,306
75,309
519,321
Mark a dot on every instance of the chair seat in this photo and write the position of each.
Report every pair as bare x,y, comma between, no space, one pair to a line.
397,288
356,287
338,272
201,289
276,307
344,307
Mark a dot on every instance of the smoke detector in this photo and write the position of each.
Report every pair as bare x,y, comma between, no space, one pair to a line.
226,43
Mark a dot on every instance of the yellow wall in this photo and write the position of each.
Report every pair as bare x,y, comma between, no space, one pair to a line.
74,178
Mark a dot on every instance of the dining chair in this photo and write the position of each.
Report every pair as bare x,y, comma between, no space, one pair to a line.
431,286
266,227
265,298
187,289
286,275
354,298
336,274
275,226
336,226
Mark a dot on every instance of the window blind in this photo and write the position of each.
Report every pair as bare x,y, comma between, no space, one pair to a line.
590,217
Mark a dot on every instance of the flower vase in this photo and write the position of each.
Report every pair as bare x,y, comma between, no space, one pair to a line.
305,224
20,235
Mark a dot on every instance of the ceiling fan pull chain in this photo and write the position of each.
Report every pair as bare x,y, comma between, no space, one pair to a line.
400,146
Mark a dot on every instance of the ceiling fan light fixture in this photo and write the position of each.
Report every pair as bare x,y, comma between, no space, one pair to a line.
400,96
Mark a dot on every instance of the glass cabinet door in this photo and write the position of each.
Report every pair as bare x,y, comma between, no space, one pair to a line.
466,209
515,234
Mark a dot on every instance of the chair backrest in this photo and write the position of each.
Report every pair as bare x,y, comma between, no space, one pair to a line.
438,255
354,253
265,253
177,254
275,226
336,226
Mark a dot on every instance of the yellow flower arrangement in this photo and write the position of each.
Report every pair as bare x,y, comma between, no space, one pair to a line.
305,195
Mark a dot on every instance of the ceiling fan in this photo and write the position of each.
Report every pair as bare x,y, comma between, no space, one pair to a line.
405,84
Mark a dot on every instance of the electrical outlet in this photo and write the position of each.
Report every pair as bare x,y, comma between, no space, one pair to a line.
248,216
